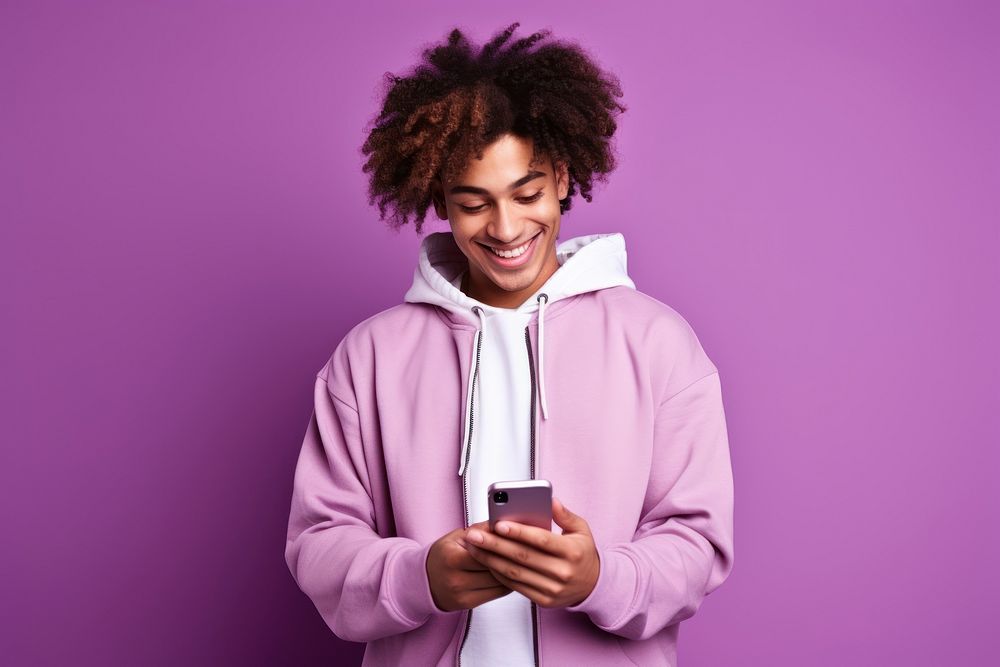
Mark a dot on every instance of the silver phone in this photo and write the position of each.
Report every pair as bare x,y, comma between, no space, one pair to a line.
527,501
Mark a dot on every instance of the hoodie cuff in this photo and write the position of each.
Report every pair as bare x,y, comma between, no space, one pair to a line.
615,591
411,590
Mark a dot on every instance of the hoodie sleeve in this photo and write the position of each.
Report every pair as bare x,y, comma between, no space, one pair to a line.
364,586
683,547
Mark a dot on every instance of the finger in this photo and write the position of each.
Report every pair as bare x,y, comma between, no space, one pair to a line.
524,554
459,534
503,567
526,590
479,580
464,560
476,598
468,562
567,520
541,539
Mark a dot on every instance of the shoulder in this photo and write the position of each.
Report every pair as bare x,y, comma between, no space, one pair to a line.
390,322
670,345
356,349
351,353
646,314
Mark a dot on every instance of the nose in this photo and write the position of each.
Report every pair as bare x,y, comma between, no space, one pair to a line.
504,224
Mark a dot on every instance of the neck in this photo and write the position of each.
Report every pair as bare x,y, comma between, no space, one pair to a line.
484,290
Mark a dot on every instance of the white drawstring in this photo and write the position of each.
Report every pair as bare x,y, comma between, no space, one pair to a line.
468,387
541,351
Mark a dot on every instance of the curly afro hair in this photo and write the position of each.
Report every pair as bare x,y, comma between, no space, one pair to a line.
455,103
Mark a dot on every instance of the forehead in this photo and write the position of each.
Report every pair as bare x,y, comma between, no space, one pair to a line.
503,162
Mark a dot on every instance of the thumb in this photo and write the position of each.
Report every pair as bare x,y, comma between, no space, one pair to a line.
569,522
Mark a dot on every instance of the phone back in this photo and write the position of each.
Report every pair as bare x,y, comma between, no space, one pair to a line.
524,501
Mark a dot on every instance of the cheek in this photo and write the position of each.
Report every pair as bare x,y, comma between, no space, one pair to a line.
463,238
550,208
462,233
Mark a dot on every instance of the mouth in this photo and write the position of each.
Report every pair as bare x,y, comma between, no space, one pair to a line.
513,258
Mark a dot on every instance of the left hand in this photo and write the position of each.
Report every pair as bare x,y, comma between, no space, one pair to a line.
552,570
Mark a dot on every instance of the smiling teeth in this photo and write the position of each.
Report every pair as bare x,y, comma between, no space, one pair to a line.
516,252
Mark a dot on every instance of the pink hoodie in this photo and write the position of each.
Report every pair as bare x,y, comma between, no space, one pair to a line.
633,440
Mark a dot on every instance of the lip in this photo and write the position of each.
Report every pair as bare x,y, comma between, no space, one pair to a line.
514,262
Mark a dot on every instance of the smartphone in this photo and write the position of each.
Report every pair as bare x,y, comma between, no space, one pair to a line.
527,501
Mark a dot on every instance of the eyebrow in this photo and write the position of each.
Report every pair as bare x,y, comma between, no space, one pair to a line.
530,176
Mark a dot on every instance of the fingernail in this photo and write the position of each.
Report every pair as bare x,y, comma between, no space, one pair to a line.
503,528
474,536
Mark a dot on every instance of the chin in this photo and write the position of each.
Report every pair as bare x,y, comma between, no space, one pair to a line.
515,285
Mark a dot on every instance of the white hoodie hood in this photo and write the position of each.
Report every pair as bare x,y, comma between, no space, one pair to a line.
586,264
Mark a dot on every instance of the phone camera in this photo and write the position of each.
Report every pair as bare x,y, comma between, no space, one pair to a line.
499,497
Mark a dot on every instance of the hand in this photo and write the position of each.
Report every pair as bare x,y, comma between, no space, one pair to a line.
552,570
457,580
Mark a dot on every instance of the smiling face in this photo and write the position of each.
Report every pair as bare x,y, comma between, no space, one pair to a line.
500,203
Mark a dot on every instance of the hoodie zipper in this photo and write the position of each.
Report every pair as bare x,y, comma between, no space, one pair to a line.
465,483
535,624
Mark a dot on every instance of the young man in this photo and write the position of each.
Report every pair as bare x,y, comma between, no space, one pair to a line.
513,356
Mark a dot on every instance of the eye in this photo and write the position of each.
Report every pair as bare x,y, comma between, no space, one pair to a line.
524,200
534,197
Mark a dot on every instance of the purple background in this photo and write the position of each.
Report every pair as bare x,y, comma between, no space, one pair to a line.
186,237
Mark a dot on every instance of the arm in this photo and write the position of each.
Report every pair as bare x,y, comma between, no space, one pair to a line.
364,586
683,547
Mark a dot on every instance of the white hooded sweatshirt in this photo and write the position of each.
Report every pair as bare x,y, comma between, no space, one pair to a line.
499,393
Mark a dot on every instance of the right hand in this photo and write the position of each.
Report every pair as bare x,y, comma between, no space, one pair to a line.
457,580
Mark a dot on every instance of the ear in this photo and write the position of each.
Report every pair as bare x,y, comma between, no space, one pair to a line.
437,198
562,180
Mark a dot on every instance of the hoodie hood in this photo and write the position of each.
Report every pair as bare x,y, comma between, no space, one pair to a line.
586,264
